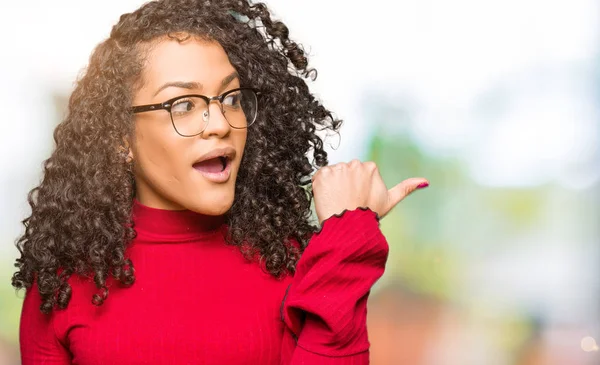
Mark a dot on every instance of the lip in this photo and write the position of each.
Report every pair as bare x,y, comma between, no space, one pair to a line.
221,176
218,177
228,152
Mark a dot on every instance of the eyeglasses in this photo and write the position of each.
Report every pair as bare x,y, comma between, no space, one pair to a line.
190,114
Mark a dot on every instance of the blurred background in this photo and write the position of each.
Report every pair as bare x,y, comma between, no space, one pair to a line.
497,102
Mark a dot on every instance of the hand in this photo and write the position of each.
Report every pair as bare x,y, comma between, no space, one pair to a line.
357,184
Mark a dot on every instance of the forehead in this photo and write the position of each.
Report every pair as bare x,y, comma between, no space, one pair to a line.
194,60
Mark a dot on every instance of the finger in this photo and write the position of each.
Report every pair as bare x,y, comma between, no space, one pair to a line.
370,166
402,190
319,172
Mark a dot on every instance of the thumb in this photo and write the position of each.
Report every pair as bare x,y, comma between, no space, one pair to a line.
402,190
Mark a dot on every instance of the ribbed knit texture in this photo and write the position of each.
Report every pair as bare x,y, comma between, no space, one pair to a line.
196,300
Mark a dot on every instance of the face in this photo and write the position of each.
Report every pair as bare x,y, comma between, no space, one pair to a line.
174,172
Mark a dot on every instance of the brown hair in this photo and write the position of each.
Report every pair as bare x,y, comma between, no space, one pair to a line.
80,220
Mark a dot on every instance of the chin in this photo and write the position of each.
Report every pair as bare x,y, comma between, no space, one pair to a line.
217,210
215,204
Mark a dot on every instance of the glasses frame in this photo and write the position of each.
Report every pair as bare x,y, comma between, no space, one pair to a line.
167,105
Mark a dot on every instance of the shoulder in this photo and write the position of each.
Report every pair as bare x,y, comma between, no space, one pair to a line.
78,287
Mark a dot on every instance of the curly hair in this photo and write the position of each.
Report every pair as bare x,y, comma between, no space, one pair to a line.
80,220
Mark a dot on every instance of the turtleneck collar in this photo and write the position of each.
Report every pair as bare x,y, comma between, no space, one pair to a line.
160,225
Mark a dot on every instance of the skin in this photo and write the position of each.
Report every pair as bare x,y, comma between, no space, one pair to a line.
358,184
164,176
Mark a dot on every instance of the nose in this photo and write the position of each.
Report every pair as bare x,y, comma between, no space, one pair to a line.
217,124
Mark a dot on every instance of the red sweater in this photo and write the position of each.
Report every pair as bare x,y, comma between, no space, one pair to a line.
196,300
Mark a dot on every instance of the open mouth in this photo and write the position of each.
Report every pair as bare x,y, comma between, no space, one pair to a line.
213,165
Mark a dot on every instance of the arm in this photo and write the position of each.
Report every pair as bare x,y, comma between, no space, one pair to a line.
325,307
38,341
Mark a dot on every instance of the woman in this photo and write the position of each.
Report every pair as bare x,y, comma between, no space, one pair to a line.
176,201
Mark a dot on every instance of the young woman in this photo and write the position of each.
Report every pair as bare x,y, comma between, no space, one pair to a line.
172,224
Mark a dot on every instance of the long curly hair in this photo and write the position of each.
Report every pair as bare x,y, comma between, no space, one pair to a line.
80,220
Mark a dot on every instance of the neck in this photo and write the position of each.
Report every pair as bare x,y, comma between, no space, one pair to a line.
173,225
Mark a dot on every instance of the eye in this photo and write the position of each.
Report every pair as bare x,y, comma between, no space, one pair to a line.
233,100
183,106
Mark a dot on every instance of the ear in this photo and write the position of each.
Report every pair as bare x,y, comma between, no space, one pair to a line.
129,158
125,150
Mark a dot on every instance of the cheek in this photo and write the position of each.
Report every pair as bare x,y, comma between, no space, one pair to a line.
240,141
159,154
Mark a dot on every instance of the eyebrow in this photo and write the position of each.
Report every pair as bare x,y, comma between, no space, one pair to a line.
191,85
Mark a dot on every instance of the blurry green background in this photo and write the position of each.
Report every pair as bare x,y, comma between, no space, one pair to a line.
495,102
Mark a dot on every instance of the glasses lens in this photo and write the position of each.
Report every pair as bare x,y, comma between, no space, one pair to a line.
240,107
190,115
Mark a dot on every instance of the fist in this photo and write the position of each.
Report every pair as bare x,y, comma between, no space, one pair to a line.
357,184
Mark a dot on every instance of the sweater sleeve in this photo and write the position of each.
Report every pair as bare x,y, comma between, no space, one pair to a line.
325,306
37,337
